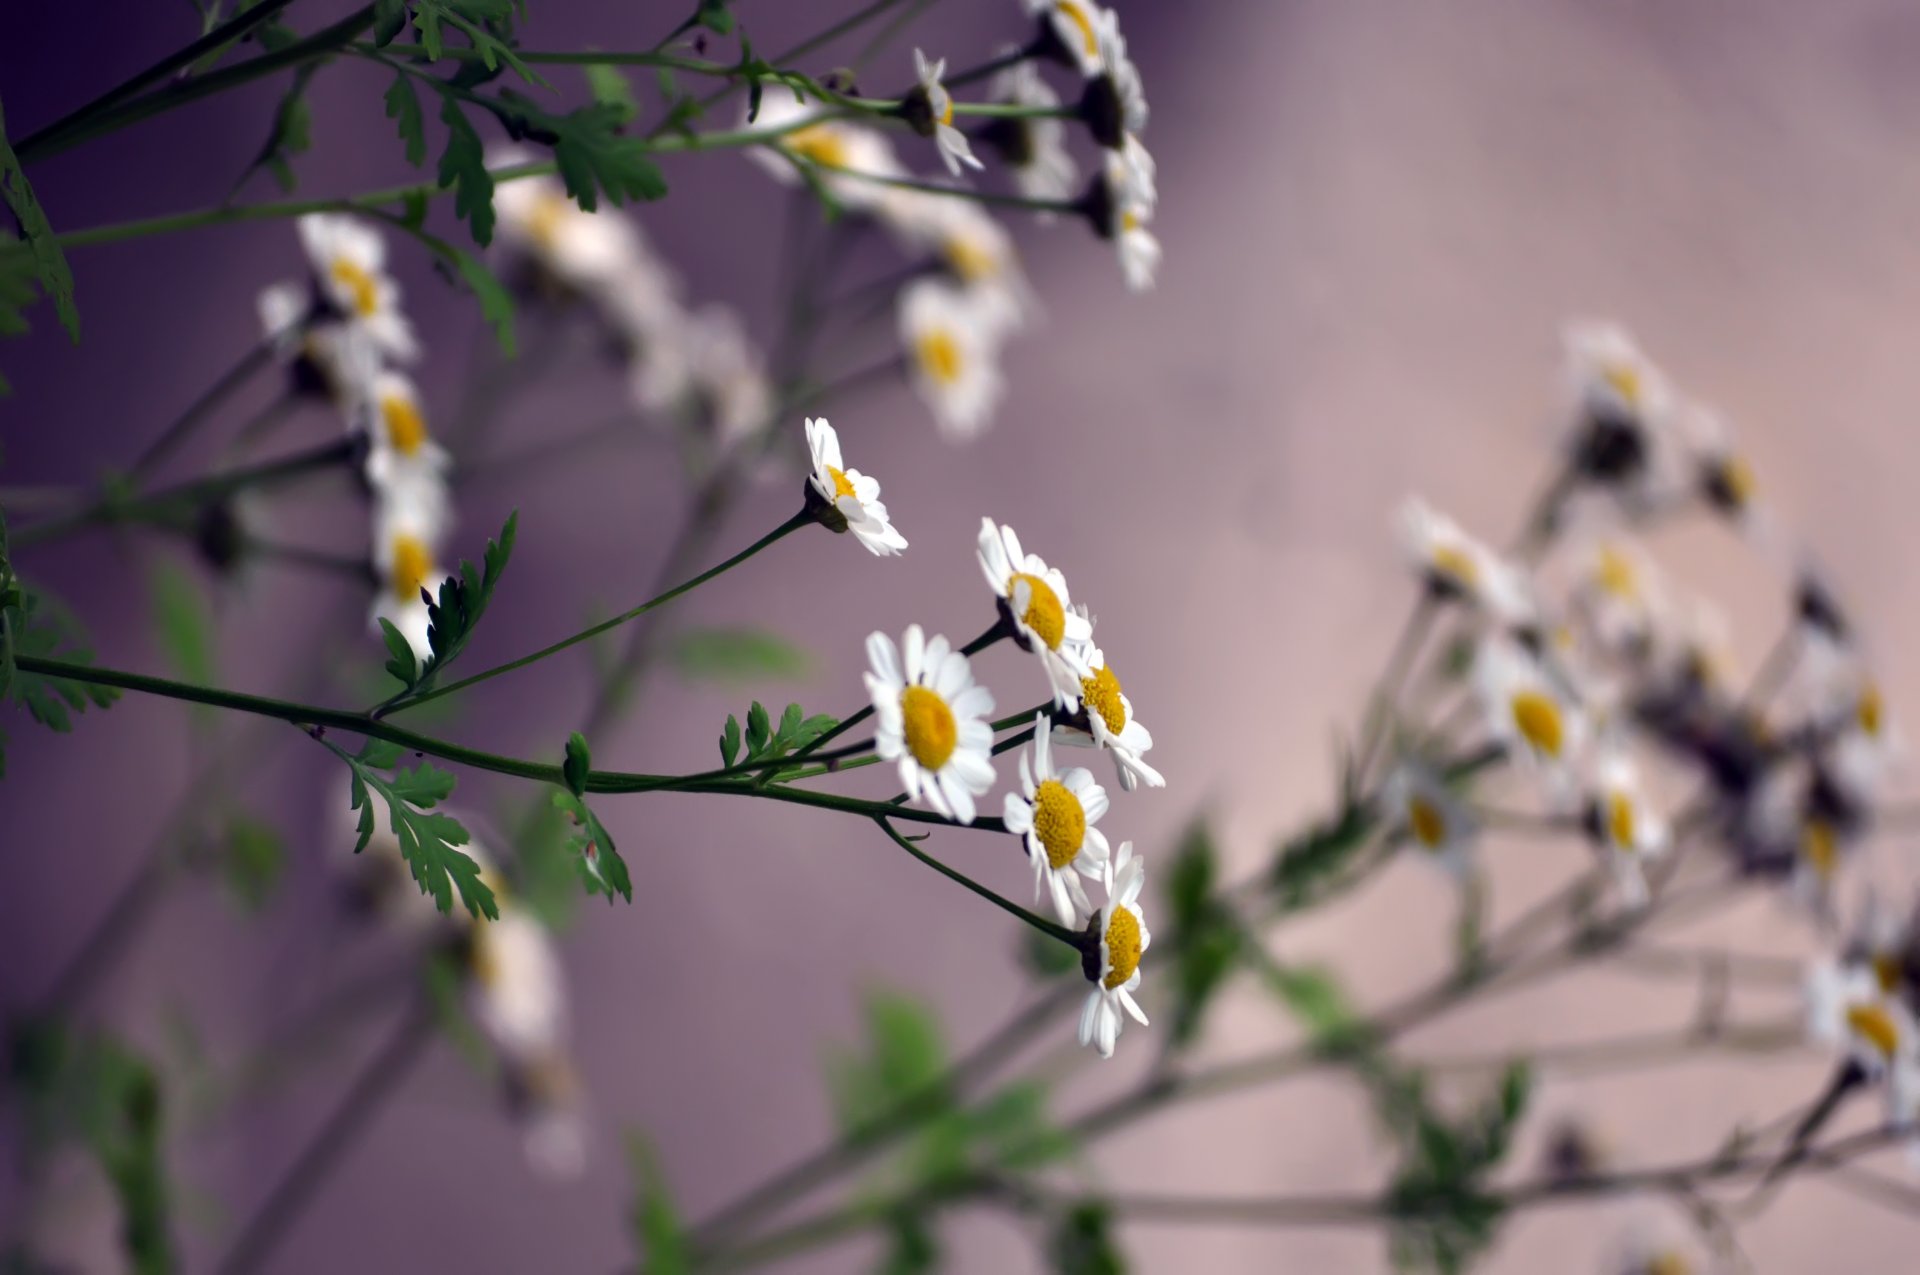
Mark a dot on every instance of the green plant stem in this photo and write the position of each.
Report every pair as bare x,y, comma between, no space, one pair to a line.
201,410
992,199
787,528
1071,938
48,139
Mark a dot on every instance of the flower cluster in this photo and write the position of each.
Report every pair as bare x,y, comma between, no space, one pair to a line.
968,293
933,726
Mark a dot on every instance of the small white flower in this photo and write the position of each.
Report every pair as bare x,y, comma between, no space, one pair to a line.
1055,811
1034,148
349,260
853,494
330,359
1821,851
952,144
953,356
726,385
402,450
1620,430
1417,804
839,150
1618,600
1848,1011
1455,565
1528,710
1123,940
976,251
1128,195
584,251
932,720
518,994
1624,826
1110,723
1033,598
1074,29
409,522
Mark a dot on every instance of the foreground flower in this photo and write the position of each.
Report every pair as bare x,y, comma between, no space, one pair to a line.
349,268
1526,709
853,497
1123,940
1109,722
932,720
1070,32
1033,600
929,108
402,450
408,525
1455,565
1621,823
1033,147
1417,804
952,358
1055,811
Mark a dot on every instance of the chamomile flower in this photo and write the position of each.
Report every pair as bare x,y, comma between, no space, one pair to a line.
1822,848
410,520
1070,32
1652,1249
1121,209
349,261
1623,825
839,150
1106,721
852,497
1527,709
517,993
1620,432
1033,148
929,109
953,357
1617,598
1847,1011
1055,812
726,378
327,359
1454,565
932,720
1034,602
402,450
1123,941
1419,806
1114,105
975,250
580,251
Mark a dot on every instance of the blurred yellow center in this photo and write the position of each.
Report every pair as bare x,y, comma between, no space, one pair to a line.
546,217
928,725
1537,717
939,356
1059,822
359,285
412,564
1869,709
1456,564
1428,824
1614,573
1620,821
946,116
1736,476
971,259
406,428
1123,947
842,485
820,144
1873,1024
1043,615
1668,1263
1623,379
1101,694
483,959
1887,971
1820,847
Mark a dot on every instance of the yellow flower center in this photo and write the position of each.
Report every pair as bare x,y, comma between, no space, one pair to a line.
1076,13
820,144
1614,574
406,427
1453,563
1537,717
483,961
928,725
1123,947
939,356
1620,821
1059,821
1668,1263
971,259
546,217
1873,1024
1130,221
842,485
1623,379
1428,824
946,116
412,564
1044,614
359,285
1869,709
1887,971
1101,694
1736,476
1820,847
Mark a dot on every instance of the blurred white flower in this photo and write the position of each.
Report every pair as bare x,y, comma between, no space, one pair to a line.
1455,565
518,993
1626,828
1033,148
348,259
955,152
836,148
854,495
1055,812
1123,210
1416,803
1033,599
410,521
333,360
402,451
1123,940
1848,1011
1528,711
587,252
952,355
544,1093
932,720
977,252
1119,86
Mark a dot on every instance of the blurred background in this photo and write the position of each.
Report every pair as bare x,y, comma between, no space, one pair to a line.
1376,217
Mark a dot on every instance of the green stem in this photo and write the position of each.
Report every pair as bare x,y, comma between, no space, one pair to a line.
201,409
1072,938
791,525
990,198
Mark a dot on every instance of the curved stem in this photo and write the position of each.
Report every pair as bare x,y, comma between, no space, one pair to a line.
1051,929
201,410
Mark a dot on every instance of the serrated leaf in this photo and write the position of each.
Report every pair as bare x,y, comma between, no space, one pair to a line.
463,167
290,133
593,156
738,655
428,839
661,1236
403,108
400,658
602,870
475,19
730,741
579,761
758,730
50,264
610,87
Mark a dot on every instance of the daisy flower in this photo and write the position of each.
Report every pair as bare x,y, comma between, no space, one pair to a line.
952,355
517,994
852,497
1123,940
1820,852
1620,432
840,150
402,451
1419,806
327,359
1114,105
1107,721
1885,941
1034,147
1656,1249
975,250
1847,1011
929,108
349,260
1527,710
1617,599
578,250
1034,602
409,522
1623,826
1455,565
726,386
1070,32
1055,811
1121,208
932,720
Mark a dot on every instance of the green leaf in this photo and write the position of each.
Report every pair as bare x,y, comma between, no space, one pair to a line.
738,655
1190,880
452,616
715,16
1316,998
463,167
389,20
427,838
485,23
253,858
657,1227
50,265
602,870
42,627
610,87
578,762
19,288
496,304
403,108
400,658
1310,861
593,156
759,731
730,741
290,134
911,1246
184,622
1082,1242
